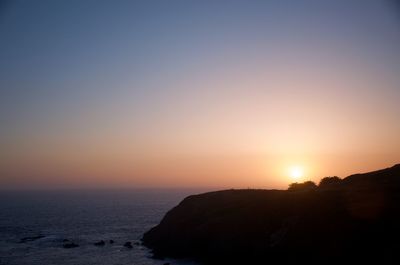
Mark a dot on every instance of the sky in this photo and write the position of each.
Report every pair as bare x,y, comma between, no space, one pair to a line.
227,94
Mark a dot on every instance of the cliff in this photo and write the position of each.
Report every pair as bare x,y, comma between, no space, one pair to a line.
357,220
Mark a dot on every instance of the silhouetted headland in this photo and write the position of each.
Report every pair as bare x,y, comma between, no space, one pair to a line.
356,219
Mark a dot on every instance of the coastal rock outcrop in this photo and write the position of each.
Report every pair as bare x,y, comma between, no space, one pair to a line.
354,220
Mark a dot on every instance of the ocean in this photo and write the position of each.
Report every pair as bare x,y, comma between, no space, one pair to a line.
35,225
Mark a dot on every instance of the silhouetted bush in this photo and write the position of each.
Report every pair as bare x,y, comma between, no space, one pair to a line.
329,182
307,185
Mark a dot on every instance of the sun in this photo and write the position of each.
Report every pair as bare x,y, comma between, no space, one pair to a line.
296,173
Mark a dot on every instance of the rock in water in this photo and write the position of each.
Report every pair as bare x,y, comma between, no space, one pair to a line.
30,238
70,245
100,243
128,244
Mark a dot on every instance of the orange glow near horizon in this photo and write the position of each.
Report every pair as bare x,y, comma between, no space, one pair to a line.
199,95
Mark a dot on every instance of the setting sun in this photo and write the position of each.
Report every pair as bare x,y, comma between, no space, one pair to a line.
296,173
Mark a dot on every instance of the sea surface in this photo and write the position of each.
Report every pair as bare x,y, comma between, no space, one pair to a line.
34,226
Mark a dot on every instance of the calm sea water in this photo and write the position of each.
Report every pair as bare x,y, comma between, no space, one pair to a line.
83,217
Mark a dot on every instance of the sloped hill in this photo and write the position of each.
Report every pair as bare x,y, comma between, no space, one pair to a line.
356,221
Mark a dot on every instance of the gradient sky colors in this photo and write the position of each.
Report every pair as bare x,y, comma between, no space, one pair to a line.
196,93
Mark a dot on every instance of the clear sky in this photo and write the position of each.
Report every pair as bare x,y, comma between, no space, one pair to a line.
196,93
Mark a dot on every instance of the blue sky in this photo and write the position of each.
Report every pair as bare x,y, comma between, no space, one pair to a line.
196,78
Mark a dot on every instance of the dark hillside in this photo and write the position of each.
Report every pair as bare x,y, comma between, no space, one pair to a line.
357,220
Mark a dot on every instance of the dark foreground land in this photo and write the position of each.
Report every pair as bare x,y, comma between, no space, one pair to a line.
354,220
